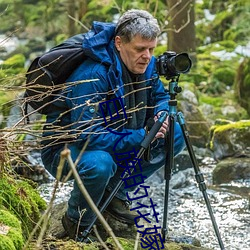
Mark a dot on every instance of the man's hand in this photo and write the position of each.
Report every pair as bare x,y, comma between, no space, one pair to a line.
164,128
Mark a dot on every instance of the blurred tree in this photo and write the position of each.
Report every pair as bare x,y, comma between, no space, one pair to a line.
181,27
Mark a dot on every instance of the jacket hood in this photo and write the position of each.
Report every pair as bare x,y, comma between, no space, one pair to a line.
98,43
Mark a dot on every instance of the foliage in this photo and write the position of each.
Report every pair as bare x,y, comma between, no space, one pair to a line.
242,84
228,23
22,200
13,238
224,75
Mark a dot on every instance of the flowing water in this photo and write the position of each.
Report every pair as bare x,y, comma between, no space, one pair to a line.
187,212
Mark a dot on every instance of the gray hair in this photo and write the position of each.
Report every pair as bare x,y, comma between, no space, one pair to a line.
137,22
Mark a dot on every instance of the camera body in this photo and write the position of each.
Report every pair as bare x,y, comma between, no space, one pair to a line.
171,65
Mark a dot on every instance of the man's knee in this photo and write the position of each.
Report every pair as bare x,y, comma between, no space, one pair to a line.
97,164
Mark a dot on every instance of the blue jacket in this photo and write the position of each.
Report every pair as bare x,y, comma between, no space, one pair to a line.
85,120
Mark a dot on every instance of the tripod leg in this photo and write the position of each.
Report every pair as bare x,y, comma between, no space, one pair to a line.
199,176
168,172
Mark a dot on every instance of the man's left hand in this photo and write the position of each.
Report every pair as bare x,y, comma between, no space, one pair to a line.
164,128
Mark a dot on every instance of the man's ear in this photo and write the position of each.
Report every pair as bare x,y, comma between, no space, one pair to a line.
118,43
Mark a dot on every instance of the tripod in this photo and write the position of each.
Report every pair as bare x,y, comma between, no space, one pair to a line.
173,90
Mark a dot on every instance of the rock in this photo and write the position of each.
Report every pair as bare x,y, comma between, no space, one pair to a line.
190,96
181,179
232,139
120,229
231,169
197,125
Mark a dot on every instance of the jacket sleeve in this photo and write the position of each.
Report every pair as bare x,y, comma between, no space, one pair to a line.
87,121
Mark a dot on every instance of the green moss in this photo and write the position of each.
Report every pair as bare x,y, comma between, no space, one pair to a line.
6,243
228,45
13,238
92,246
21,199
16,61
16,237
235,125
173,246
13,71
242,84
212,100
239,128
225,75
125,243
9,219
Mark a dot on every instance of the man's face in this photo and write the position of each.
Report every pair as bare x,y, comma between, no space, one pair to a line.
136,54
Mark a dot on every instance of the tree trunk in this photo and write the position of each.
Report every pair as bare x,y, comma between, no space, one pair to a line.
181,27
71,6
83,7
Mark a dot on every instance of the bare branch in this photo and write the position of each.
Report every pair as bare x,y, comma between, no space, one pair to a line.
66,154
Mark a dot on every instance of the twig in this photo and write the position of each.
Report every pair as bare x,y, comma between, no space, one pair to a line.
77,21
45,217
99,238
66,154
136,241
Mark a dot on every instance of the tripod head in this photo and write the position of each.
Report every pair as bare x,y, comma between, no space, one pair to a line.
174,89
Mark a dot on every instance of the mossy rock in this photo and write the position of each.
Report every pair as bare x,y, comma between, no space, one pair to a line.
11,237
232,139
127,244
21,199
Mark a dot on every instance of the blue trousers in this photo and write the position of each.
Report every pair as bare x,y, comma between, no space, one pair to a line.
100,170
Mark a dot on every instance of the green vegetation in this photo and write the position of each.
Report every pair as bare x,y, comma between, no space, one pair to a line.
11,237
22,201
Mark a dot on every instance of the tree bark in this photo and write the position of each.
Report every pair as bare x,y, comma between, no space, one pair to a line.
83,7
71,6
181,27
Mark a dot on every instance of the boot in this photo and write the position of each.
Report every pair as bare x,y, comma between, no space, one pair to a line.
120,210
75,231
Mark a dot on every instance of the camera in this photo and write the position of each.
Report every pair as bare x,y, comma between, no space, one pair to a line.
171,65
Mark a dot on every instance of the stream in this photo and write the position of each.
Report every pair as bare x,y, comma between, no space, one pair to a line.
188,216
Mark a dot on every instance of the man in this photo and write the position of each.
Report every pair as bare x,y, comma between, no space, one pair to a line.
108,114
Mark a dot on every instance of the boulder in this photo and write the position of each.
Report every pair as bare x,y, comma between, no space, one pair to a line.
231,139
197,125
230,143
231,169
